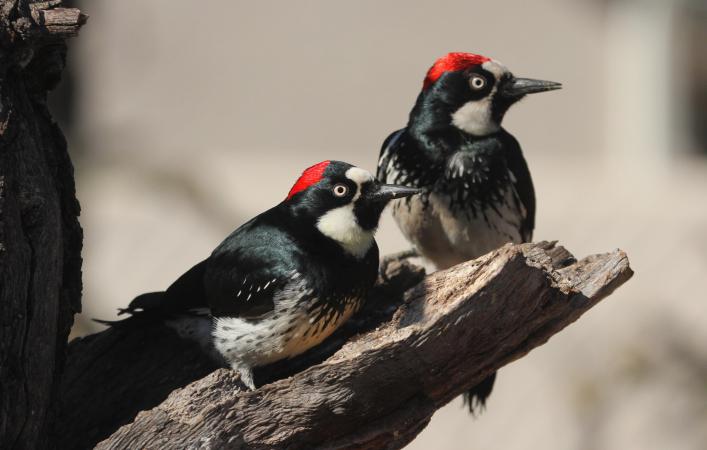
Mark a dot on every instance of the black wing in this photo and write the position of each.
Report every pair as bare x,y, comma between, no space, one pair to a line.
241,289
248,269
240,278
522,183
184,295
386,151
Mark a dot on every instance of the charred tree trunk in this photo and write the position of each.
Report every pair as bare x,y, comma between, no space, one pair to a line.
40,236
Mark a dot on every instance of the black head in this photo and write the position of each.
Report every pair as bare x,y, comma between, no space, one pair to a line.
343,202
472,93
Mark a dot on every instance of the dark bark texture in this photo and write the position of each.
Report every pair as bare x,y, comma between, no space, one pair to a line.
419,343
40,236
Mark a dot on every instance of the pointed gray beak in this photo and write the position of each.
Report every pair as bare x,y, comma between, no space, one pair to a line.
384,193
518,87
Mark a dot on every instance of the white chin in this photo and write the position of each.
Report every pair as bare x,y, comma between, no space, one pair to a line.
340,225
475,118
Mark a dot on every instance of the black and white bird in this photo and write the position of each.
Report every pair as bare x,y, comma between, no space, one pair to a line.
478,193
287,279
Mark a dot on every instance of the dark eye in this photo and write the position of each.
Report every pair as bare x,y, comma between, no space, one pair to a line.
477,82
340,190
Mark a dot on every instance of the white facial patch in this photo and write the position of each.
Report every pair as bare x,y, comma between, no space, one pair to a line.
496,68
340,224
358,176
475,116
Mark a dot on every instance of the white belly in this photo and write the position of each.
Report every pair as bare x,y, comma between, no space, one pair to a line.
288,331
447,238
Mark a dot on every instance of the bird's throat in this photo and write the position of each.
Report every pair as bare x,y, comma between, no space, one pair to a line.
340,224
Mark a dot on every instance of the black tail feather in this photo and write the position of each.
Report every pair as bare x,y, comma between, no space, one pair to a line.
110,323
145,302
475,398
142,307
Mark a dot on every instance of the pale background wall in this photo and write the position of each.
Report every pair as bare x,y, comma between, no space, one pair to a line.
189,117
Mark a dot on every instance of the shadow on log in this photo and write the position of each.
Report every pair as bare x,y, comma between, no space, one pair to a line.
419,343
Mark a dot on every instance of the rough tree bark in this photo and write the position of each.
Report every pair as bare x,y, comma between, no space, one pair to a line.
40,237
418,344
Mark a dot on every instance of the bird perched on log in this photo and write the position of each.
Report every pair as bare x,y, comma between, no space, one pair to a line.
284,281
478,193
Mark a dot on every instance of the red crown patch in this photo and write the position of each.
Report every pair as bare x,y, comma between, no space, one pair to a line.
451,62
310,176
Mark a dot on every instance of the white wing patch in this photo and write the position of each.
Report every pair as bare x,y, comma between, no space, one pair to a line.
247,290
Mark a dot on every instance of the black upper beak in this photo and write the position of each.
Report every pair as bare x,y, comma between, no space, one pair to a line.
518,87
383,193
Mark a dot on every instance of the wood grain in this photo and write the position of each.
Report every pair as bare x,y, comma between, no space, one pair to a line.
409,353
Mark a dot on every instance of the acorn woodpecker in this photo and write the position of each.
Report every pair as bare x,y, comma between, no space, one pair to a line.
478,194
284,281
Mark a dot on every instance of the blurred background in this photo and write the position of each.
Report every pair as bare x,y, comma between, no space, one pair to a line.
184,119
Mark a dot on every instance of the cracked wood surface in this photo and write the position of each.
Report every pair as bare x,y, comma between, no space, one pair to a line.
40,236
374,384
416,346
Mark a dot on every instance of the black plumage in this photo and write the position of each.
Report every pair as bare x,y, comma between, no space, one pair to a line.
477,187
285,280
478,192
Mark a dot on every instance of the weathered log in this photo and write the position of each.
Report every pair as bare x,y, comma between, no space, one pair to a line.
113,375
40,237
374,384
410,355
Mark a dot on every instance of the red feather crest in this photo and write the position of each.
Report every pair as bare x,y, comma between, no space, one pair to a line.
451,62
310,176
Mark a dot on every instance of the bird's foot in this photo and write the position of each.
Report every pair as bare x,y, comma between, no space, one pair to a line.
399,256
246,374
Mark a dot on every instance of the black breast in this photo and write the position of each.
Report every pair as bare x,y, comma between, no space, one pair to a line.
469,171
476,176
